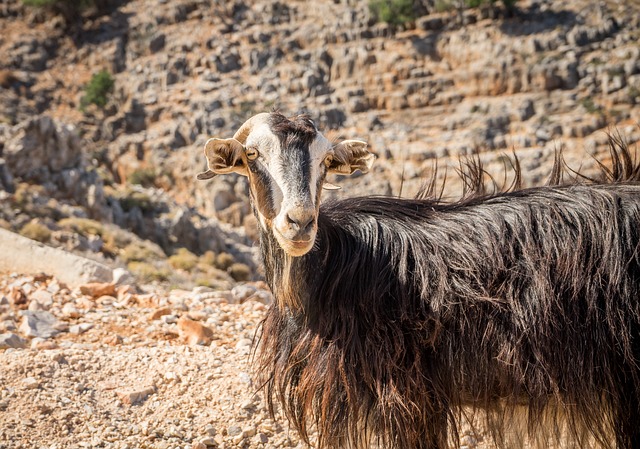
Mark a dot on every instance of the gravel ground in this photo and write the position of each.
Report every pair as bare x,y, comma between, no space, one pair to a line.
117,366
114,368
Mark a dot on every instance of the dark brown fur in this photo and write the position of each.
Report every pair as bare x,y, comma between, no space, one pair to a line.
413,311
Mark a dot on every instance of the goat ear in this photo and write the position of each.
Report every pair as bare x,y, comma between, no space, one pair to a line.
223,156
349,156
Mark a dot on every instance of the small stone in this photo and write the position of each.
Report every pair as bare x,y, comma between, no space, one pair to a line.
159,313
12,341
34,306
113,340
30,383
170,319
198,445
106,300
233,431
242,292
17,296
262,438
70,311
208,441
81,328
122,277
211,431
39,324
43,297
244,345
9,325
195,333
97,289
249,432
171,376
134,396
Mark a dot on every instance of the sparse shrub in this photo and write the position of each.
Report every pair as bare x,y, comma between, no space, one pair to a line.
183,259
239,272
143,176
84,226
36,231
147,272
208,258
98,90
133,198
140,251
393,12
224,261
114,239
590,106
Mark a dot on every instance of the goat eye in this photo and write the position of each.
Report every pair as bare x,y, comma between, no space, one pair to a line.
328,160
252,154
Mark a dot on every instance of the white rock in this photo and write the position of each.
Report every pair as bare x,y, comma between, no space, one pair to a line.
122,277
30,382
12,341
39,324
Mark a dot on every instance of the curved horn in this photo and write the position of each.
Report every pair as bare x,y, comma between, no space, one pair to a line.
242,133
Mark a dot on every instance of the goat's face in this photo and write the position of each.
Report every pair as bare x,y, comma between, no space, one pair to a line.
286,161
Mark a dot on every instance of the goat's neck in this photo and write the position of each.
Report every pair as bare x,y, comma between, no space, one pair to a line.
288,277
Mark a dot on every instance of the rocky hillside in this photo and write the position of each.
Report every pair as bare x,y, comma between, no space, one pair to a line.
117,181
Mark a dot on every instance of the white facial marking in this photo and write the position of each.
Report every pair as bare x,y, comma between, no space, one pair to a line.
291,182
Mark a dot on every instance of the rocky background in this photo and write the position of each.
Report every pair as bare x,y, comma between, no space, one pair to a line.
115,181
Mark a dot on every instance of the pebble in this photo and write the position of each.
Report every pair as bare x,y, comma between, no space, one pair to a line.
10,340
30,383
97,289
242,292
80,328
122,276
159,313
70,311
39,324
208,441
234,430
44,297
132,397
194,332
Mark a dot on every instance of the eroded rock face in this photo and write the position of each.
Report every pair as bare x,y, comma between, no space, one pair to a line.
39,147
553,74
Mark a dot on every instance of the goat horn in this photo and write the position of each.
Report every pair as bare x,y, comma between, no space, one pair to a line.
205,175
242,133
329,186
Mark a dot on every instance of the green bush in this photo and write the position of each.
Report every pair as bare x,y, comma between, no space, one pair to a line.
147,272
36,231
239,272
140,251
145,177
183,259
70,10
393,12
84,226
224,261
97,90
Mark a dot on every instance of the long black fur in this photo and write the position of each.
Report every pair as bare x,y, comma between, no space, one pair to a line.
415,312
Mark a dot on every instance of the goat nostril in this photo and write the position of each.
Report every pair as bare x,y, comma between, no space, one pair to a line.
299,223
291,221
304,224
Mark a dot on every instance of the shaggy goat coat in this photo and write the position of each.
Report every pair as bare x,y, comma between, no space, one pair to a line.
414,312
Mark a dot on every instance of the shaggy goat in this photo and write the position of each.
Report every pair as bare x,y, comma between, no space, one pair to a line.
394,319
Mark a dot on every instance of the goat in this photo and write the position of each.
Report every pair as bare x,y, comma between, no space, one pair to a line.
395,319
